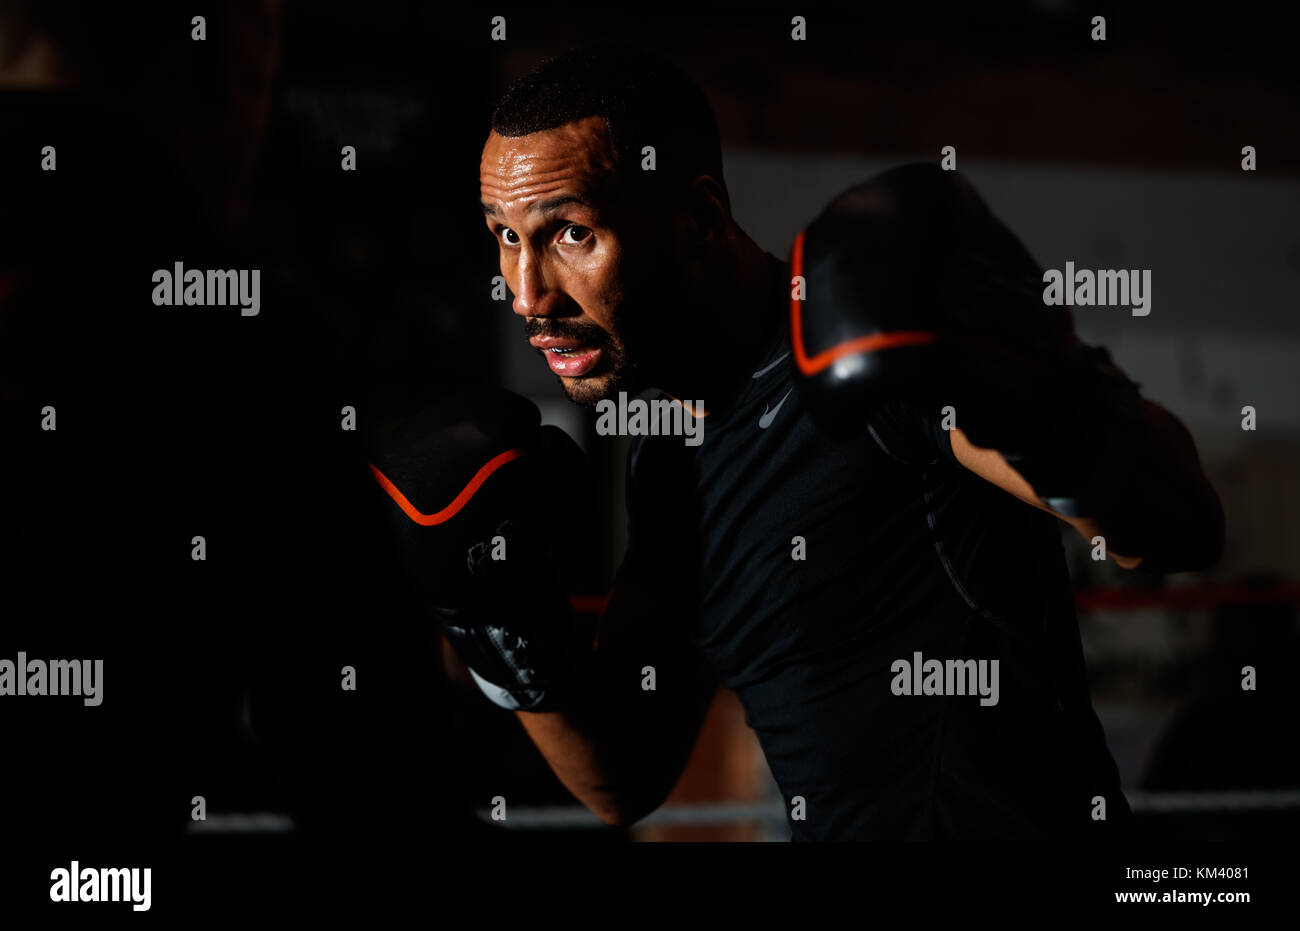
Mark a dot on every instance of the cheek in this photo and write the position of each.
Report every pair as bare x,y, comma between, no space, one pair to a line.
598,286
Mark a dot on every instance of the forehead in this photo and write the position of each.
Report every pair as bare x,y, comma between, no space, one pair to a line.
517,170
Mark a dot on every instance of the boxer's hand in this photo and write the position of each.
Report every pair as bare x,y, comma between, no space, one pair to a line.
486,503
915,291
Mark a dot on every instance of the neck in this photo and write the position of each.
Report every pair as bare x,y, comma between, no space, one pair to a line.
735,311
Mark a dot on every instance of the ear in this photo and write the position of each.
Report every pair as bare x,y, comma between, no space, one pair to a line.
708,208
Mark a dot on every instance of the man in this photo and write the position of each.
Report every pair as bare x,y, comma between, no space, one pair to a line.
806,568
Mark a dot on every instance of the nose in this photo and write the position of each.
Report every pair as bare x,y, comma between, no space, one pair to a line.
534,296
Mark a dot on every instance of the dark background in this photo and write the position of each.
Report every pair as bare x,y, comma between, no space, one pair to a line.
222,677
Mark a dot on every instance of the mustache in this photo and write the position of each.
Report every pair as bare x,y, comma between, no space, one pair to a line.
565,329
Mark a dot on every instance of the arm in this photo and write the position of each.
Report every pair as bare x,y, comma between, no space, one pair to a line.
1161,513
915,291
460,481
617,748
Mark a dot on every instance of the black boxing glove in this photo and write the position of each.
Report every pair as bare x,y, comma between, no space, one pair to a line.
471,485
913,290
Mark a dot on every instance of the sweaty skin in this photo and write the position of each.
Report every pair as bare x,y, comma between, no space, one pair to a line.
559,256
639,290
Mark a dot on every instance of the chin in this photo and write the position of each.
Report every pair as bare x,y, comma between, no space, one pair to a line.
588,390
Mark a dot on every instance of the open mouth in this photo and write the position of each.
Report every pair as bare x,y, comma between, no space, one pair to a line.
567,357
573,362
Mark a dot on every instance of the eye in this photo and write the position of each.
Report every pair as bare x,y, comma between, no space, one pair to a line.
510,237
580,234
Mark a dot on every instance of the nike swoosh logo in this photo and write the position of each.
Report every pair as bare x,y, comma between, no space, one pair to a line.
767,368
768,416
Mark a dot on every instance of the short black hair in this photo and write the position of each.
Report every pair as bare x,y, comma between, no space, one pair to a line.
643,99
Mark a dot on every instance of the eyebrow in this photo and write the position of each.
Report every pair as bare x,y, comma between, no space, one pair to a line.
545,206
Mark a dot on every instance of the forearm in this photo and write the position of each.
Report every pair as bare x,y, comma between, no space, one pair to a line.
1158,504
588,760
1130,473
1147,496
619,747
1100,455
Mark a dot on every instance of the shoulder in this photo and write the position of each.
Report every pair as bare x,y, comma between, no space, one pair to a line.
912,433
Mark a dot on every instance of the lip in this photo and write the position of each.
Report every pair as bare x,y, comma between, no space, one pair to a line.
569,364
554,342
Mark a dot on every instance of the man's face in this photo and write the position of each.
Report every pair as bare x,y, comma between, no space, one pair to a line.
582,263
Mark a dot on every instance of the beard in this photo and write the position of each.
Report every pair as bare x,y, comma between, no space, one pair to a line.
647,309
614,373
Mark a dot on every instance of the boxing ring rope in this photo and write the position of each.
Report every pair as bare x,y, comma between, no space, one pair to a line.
1185,597
1174,597
575,817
